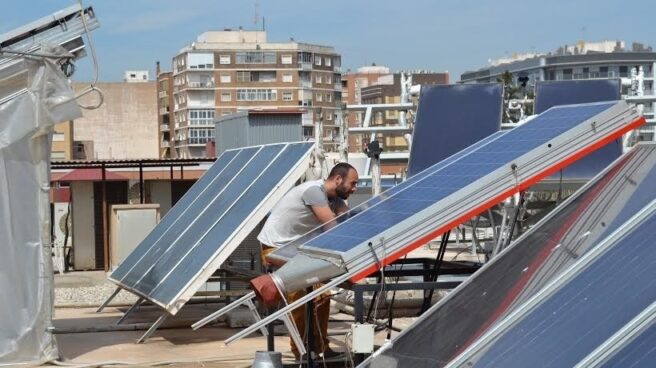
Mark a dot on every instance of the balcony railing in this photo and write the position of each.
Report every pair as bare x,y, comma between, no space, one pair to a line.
164,127
306,84
305,65
201,84
338,86
164,144
162,94
164,110
337,69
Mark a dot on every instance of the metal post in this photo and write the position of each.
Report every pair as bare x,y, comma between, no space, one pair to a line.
104,304
309,327
153,328
104,219
141,184
133,307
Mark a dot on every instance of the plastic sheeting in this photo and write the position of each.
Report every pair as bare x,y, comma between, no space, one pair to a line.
26,276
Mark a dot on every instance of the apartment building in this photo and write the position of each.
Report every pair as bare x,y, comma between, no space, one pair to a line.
583,60
223,72
165,112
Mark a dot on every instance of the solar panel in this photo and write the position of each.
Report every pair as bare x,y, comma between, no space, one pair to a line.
639,352
452,117
554,93
576,313
289,251
532,261
209,221
445,195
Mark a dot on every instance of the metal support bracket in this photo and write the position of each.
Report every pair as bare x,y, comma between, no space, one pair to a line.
153,328
106,302
132,308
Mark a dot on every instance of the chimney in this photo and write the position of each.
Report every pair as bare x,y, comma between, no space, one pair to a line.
156,68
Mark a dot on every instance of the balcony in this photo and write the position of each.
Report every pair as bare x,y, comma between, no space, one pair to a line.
162,94
164,144
164,110
338,86
337,69
305,65
306,84
201,85
164,128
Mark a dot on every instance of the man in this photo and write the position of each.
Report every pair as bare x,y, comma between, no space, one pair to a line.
302,209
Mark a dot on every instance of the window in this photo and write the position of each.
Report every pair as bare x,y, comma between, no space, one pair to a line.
286,59
317,78
317,60
225,96
255,57
287,96
308,132
305,57
318,97
328,61
329,79
252,94
243,76
200,60
57,155
58,137
224,59
287,78
201,117
225,78
329,97
256,76
225,113
329,116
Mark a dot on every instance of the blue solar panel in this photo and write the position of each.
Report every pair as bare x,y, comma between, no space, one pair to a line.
452,117
288,251
442,180
586,311
554,93
177,249
639,353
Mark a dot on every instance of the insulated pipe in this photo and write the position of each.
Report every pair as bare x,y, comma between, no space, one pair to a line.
299,273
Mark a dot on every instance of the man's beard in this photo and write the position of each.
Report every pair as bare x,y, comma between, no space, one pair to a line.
342,192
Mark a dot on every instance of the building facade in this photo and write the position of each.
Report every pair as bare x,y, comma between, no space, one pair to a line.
227,71
602,60
123,127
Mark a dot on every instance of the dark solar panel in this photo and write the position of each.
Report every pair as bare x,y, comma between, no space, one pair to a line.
554,93
172,256
452,117
441,181
529,264
639,353
585,312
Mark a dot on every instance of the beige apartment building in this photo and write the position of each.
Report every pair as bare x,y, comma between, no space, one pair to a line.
223,72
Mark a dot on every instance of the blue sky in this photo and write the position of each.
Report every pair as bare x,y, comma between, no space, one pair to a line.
439,35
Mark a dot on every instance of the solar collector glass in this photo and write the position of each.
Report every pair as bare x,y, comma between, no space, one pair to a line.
174,214
586,311
184,230
638,353
243,206
207,219
190,233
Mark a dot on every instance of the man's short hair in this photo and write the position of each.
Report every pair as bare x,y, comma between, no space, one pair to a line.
341,169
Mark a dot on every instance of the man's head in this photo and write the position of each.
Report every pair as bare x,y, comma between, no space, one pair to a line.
345,179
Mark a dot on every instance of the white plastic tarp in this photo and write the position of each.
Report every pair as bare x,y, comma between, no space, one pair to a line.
26,276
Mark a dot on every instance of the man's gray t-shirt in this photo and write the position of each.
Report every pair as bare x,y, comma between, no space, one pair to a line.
292,217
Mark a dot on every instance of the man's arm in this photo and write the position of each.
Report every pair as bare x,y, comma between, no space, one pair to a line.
324,214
